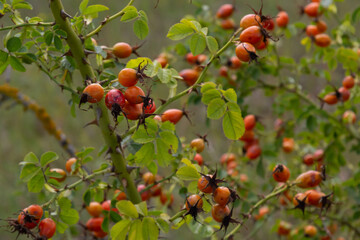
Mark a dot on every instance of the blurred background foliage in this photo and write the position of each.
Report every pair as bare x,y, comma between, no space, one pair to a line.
21,132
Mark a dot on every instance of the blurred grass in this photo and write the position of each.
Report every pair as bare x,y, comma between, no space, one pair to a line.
21,132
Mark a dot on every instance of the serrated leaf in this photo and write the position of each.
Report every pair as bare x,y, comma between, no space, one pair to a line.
120,229
127,208
142,208
47,158
197,44
36,183
143,135
187,173
163,156
207,86
170,139
69,216
3,56
179,31
230,95
135,232
210,95
141,29
149,229
94,9
146,154
164,75
212,44
13,44
233,125
216,108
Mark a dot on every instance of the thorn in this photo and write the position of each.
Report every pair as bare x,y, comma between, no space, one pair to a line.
93,122
64,15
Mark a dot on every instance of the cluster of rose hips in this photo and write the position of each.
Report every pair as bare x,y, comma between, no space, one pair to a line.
342,94
222,196
251,146
198,144
97,210
30,218
255,35
310,231
316,31
191,75
155,190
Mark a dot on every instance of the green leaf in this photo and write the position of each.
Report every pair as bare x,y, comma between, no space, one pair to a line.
188,173
260,168
3,56
87,197
143,135
233,125
28,172
210,95
146,154
207,86
164,75
120,229
212,44
216,108
61,227
36,183
13,44
311,123
58,43
149,229
23,5
127,208
48,157
163,156
171,140
94,9
162,224
230,95
134,63
130,13
48,37
31,158
142,208
179,31
356,15
83,5
143,16
197,43
135,232
141,29
69,216
16,64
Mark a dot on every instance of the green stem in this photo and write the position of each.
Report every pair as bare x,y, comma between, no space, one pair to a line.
157,182
100,110
258,204
108,19
177,215
301,95
38,24
71,186
172,99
